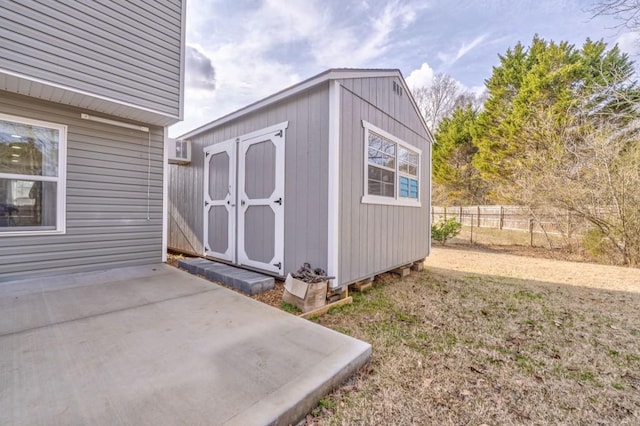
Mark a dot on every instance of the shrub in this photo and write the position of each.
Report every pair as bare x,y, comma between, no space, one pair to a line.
445,230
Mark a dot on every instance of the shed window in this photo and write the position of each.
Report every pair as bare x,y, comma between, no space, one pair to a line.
32,172
392,169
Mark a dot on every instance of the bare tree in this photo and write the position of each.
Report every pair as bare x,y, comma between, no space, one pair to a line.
440,98
627,12
590,166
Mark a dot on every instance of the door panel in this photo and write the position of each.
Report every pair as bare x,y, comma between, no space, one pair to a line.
261,202
259,236
220,200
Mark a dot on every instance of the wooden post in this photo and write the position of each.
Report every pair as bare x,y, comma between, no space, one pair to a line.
432,215
445,214
460,214
501,217
530,232
478,216
471,240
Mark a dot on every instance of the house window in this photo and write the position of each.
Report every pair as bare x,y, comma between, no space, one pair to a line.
392,169
32,173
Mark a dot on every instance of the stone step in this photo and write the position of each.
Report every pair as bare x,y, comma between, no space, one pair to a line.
248,282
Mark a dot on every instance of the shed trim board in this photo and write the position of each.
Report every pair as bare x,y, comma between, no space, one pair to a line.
333,196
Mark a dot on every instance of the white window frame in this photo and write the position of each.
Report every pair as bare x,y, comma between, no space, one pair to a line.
60,180
396,200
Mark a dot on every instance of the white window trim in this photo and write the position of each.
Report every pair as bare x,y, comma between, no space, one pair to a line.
61,180
396,200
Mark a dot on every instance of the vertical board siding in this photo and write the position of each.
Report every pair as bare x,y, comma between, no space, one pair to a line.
106,207
126,51
305,199
377,238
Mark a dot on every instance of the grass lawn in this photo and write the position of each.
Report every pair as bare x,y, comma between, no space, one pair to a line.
453,348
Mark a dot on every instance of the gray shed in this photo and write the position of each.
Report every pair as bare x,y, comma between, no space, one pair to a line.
334,171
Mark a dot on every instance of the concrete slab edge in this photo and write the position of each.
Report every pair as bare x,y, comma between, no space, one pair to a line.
288,407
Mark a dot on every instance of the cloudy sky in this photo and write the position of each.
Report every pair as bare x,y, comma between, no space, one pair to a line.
240,51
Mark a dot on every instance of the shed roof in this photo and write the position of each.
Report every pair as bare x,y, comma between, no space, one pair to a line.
330,74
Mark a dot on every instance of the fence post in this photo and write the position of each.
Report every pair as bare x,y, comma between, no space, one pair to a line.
530,232
445,214
471,238
432,215
478,216
501,217
460,214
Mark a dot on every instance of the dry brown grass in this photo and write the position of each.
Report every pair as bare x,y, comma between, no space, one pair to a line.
452,348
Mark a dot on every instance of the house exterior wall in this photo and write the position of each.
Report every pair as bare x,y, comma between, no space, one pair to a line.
130,52
377,238
305,200
107,182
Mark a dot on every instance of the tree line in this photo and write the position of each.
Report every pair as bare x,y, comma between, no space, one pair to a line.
558,126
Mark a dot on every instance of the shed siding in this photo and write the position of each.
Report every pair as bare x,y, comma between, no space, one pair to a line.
305,200
377,238
126,51
107,176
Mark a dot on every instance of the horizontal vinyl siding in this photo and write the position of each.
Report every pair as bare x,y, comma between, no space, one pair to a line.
377,238
107,187
306,153
126,51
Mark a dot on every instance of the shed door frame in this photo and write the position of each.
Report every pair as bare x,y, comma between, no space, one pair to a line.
237,202
228,202
274,201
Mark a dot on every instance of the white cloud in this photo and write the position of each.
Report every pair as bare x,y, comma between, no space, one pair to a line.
629,43
422,77
254,50
358,45
449,59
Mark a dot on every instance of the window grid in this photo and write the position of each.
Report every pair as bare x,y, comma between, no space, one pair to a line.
392,171
32,176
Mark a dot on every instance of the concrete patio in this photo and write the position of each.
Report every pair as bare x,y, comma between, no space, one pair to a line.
156,345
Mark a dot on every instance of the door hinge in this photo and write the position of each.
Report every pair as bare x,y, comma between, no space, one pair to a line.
279,134
206,203
207,154
278,201
278,265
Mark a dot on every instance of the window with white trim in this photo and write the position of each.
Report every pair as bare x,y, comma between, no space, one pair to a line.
32,176
392,169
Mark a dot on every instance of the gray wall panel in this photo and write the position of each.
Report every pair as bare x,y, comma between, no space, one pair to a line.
106,214
127,51
305,200
376,238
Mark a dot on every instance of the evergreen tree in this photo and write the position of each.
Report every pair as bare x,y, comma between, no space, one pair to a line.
457,180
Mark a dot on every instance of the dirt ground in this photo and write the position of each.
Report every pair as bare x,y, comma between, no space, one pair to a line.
489,262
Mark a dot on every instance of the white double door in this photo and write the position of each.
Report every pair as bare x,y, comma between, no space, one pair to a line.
244,200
